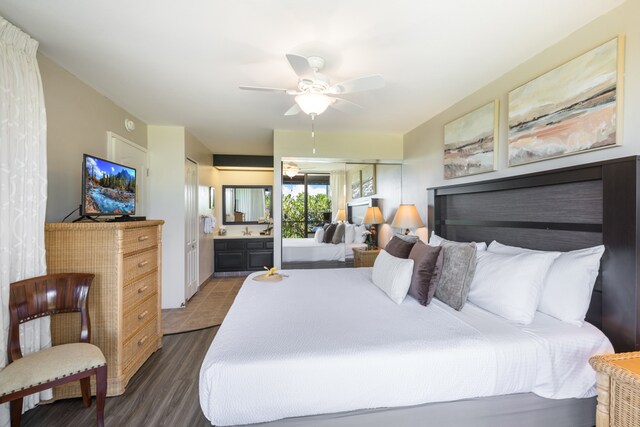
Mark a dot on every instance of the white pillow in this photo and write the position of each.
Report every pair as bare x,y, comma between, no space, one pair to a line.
319,235
435,240
392,275
349,233
359,236
510,285
567,289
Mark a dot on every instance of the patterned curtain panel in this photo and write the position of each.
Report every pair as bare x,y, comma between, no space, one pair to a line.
23,186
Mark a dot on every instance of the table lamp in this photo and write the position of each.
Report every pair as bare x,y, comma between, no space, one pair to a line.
373,216
340,216
407,217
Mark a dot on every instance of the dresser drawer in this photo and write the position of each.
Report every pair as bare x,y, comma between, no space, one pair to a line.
139,315
255,244
139,264
229,244
138,239
140,341
134,293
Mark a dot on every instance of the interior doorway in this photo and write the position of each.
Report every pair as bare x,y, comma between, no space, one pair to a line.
125,152
191,227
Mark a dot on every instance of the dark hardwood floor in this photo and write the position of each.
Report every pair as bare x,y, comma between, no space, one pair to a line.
164,392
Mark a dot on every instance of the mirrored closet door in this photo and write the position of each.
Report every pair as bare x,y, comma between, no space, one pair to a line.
324,210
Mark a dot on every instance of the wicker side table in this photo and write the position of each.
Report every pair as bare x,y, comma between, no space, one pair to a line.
618,389
364,257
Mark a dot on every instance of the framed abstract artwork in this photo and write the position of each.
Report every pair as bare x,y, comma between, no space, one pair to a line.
368,177
573,108
470,142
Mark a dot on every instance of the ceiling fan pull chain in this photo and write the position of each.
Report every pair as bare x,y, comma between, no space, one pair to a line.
313,132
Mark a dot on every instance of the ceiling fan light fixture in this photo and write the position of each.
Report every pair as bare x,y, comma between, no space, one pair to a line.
313,103
291,169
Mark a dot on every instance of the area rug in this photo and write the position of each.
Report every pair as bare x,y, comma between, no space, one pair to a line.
205,309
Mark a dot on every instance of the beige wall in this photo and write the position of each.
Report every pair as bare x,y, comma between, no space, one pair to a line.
337,145
166,201
239,178
423,146
78,118
168,148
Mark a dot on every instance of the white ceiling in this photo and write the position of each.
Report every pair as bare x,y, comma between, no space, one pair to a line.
181,62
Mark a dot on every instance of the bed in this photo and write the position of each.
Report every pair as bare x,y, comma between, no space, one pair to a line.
324,343
309,250
313,341
309,253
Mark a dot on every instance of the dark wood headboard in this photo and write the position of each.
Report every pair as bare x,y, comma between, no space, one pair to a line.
562,209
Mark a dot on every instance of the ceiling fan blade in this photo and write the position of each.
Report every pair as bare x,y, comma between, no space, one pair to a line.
345,106
295,109
301,66
264,89
374,81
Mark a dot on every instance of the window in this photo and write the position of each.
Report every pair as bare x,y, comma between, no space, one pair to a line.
306,204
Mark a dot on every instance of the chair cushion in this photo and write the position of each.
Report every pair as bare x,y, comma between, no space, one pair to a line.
48,365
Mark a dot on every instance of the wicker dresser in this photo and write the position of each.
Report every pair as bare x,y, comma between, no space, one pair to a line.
124,300
364,257
618,389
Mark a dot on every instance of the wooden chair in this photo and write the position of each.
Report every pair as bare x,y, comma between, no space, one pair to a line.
43,296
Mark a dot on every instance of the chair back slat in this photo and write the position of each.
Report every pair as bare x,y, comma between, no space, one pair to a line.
45,296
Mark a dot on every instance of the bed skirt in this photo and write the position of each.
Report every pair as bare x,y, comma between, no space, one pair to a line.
522,410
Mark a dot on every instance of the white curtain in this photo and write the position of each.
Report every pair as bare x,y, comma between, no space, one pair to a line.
23,186
251,202
337,183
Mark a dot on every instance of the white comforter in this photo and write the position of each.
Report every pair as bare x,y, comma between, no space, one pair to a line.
324,341
307,249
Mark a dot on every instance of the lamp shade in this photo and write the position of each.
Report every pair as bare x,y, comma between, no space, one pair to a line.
407,217
313,103
340,216
373,216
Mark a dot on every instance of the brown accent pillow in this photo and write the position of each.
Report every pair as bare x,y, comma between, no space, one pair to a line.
399,248
427,263
328,233
339,234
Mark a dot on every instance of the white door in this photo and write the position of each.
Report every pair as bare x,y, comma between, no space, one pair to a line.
125,152
191,227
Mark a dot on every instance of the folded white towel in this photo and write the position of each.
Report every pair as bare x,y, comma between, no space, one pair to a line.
209,224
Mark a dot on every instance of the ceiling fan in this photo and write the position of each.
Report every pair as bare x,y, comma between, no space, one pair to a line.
315,92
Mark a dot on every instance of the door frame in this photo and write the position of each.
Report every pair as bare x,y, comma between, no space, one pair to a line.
112,139
196,220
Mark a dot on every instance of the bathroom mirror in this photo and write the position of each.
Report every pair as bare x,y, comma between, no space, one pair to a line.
246,204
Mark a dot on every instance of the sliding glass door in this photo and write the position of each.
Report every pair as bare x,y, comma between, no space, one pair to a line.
306,204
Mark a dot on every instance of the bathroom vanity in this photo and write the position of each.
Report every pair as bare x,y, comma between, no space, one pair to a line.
242,253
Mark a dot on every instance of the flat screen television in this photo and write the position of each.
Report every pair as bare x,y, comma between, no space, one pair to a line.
108,188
